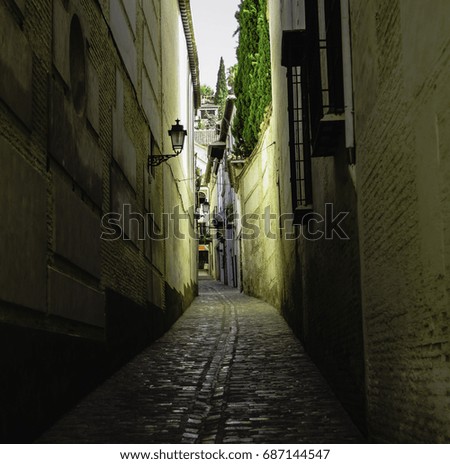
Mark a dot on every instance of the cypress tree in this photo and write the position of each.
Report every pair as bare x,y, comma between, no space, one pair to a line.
231,77
221,88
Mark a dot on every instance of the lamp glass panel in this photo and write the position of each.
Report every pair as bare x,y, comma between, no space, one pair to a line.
177,140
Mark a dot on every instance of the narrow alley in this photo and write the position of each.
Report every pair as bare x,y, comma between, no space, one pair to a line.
229,371
199,246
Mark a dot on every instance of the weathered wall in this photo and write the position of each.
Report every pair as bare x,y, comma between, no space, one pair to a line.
86,88
401,53
179,180
260,234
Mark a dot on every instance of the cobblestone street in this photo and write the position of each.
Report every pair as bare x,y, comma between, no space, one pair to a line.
229,371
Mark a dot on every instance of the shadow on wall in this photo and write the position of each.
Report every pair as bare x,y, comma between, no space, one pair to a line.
44,373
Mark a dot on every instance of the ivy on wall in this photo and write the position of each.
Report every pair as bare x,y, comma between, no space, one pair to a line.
253,81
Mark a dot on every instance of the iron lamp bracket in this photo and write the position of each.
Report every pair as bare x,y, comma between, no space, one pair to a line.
156,160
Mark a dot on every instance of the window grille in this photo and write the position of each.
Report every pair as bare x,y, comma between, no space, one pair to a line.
325,75
299,143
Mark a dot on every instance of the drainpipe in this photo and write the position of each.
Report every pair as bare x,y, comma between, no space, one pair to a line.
348,88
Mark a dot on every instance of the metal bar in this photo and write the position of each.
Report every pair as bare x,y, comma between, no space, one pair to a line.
156,160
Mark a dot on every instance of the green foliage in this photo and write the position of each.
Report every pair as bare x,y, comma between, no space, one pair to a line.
253,81
231,77
221,88
207,93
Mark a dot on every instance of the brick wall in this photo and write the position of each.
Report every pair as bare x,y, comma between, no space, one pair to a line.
82,87
400,56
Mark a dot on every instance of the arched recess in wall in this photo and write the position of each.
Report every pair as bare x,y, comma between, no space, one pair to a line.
77,65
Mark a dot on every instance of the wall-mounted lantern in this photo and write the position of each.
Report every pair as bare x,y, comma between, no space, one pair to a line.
177,135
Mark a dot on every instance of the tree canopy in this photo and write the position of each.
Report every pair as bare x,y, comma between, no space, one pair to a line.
207,93
253,80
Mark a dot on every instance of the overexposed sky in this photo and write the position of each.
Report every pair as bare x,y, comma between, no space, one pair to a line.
214,26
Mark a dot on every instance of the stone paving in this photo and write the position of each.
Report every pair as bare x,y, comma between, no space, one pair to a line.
229,371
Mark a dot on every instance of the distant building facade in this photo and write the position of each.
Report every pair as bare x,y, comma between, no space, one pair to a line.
207,116
88,90
222,226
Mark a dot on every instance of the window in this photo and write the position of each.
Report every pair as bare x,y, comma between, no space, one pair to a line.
294,58
299,143
325,75
313,58
77,65
333,45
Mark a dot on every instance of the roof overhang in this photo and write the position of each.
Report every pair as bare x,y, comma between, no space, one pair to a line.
186,18
216,150
227,116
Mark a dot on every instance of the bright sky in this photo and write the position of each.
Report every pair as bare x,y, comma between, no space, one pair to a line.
214,26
